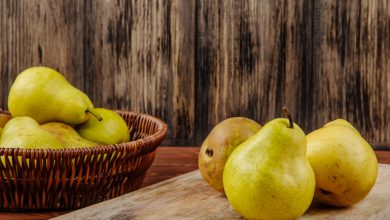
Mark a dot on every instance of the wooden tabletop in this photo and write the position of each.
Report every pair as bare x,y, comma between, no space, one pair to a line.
169,162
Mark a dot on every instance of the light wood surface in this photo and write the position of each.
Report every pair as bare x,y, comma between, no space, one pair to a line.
189,197
195,62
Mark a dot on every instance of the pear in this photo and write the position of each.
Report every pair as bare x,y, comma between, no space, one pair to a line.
344,164
45,95
343,123
112,129
24,132
219,144
68,137
268,175
4,118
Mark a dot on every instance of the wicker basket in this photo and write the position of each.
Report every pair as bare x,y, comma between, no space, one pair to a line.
75,178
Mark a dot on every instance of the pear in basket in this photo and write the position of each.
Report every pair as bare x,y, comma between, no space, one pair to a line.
45,95
68,137
112,129
24,132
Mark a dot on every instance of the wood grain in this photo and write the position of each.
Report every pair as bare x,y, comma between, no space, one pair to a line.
352,49
252,61
138,58
195,63
40,33
189,197
183,72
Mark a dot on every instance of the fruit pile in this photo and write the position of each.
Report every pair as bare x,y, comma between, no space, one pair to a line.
275,171
49,113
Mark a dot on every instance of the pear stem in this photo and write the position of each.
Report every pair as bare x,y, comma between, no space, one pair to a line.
287,114
94,113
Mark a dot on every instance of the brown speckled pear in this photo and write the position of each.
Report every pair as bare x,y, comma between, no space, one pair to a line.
219,144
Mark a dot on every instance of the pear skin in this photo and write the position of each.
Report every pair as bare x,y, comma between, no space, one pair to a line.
268,175
68,137
344,164
24,132
219,144
342,122
45,95
112,129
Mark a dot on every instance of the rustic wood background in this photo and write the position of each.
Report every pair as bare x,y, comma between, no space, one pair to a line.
195,63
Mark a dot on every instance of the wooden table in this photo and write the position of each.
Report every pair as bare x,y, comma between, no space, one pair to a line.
169,162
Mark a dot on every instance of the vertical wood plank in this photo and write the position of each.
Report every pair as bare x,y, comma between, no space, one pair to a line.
351,65
43,32
252,60
139,56
183,72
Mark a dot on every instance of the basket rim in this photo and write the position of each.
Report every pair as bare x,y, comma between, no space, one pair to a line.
157,137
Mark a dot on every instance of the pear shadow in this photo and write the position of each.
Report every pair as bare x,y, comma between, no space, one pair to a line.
319,208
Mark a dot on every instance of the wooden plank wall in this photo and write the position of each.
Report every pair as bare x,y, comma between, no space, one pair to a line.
195,63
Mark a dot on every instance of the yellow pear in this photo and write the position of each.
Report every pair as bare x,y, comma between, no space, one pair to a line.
268,175
344,164
25,132
45,95
342,122
68,137
112,129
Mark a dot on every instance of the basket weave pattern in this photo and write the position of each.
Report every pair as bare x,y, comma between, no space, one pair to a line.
75,178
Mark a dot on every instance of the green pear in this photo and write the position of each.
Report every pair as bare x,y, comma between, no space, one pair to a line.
344,164
68,137
24,132
45,95
268,175
219,144
112,129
